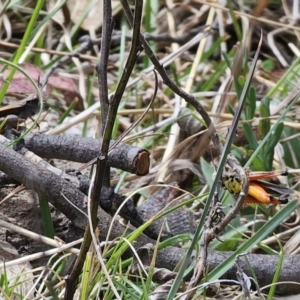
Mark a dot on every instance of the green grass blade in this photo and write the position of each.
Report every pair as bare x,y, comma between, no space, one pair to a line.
39,96
277,273
270,146
68,111
256,238
218,175
253,143
280,119
85,276
264,125
284,78
22,46
48,227
250,104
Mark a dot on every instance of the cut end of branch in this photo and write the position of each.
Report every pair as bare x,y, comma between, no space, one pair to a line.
143,163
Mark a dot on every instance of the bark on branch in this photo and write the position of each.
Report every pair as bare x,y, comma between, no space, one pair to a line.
264,267
125,157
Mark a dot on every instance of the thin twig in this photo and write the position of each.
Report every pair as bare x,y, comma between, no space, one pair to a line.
131,127
101,68
109,123
86,43
114,104
102,174
172,85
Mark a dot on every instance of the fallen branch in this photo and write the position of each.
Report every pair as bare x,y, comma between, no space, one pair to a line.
58,188
73,148
264,267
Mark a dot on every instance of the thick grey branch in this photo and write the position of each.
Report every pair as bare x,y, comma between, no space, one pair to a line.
125,157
